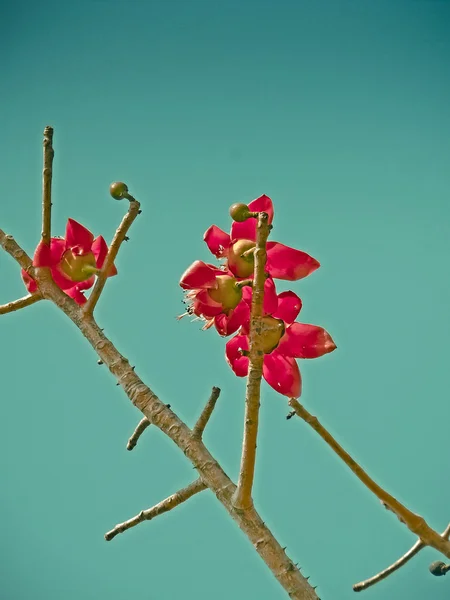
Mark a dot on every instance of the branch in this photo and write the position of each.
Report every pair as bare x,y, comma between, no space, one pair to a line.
141,396
203,419
119,237
47,186
20,303
243,496
418,546
141,427
415,523
159,509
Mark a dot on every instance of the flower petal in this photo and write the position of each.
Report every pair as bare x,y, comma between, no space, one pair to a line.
76,294
234,357
246,230
228,324
217,241
287,263
289,306
204,306
100,250
282,373
305,341
199,276
45,256
29,282
78,236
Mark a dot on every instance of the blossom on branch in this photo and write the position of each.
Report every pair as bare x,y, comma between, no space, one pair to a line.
74,260
238,247
284,340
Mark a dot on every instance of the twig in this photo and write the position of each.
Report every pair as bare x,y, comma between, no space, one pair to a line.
415,523
418,546
162,507
47,186
20,303
141,427
203,419
119,237
243,496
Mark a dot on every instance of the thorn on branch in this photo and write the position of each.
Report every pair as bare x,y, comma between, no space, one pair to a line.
99,362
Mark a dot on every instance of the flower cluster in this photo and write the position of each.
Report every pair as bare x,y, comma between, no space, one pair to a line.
221,296
74,260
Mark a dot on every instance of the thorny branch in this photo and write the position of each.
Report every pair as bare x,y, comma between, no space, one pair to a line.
159,509
415,523
210,472
243,496
418,546
20,303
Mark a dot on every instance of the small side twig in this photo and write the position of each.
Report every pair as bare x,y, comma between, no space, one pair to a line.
414,522
203,419
20,303
141,427
242,498
418,546
162,507
47,186
119,237
134,438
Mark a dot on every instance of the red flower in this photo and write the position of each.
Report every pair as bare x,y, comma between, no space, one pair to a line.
73,260
216,296
285,340
282,262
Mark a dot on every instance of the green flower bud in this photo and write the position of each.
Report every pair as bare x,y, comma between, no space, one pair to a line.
272,331
240,212
227,293
118,190
240,261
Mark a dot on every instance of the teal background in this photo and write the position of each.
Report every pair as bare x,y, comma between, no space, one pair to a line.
340,112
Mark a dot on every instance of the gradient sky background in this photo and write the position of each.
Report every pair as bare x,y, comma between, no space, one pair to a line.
339,110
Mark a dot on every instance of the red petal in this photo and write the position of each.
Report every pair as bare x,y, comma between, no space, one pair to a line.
289,305
76,294
100,250
228,324
270,297
78,235
234,357
204,306
305,341
45,256
287,263
282,373
247,229
199,276
29,282
217,241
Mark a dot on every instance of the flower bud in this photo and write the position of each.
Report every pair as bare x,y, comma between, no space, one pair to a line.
240,258
227,293
272,330
439,568
240,212
118,190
